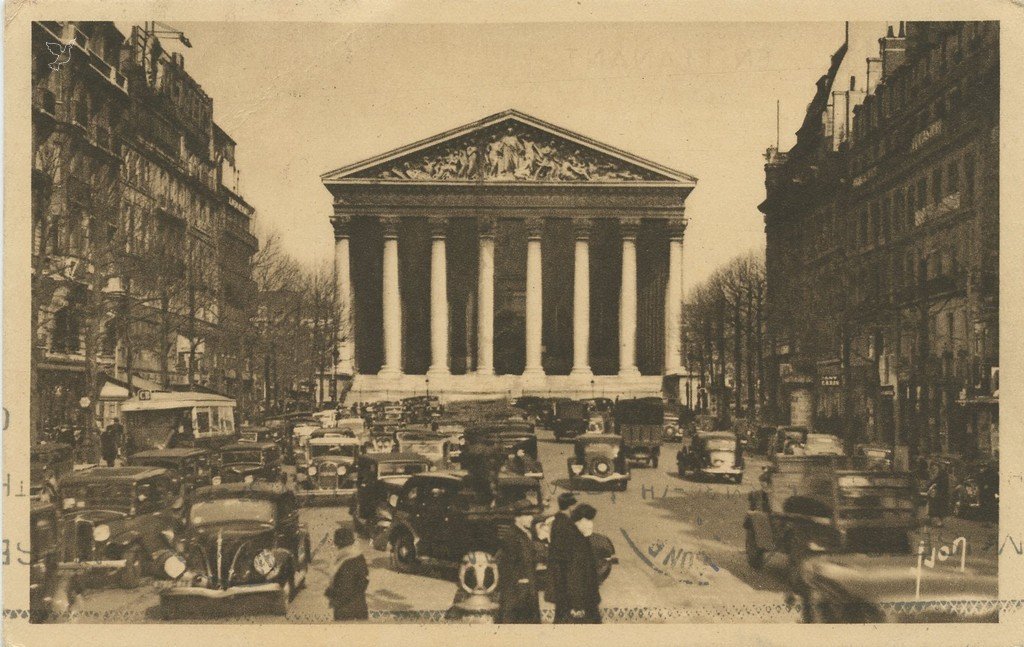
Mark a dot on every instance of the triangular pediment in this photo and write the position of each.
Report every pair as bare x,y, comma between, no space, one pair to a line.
509,147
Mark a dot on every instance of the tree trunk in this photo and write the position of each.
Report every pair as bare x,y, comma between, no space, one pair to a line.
723,394
751,385
759,345
737,353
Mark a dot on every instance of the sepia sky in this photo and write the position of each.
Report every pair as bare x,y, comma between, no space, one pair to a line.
304,98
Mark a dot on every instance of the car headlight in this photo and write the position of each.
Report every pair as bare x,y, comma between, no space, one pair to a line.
216,480
311,470
342,470
248,478
576,468
264,562
174,567
101,532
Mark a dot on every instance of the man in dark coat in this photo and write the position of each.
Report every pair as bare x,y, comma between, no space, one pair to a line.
583,583
938,494
560,549
347,592
517,570
110,439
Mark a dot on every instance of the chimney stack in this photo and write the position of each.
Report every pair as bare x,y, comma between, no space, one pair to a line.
892,50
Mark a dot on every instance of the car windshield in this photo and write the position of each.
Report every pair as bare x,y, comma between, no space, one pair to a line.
243,456
509,494
399,469
604,448
721,445
317,451
229,510
429,448
104,496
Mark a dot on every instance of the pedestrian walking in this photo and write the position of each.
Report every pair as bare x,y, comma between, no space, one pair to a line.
347,591
517,570
583,583
938,494
109,441
560,548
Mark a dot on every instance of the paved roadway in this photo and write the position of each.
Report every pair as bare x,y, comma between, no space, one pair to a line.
679,542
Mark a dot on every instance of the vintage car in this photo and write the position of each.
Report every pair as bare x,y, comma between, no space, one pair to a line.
856,588
977,494
244,550
442,517
872,457
192,465
48,463
817,444
427,443
280,436
673,430
532,406
570,419
381,440
515,441
641,422
248,462
787,440
813,504
378,477
51,592
456,434
329,470
715,454
598,459
119,520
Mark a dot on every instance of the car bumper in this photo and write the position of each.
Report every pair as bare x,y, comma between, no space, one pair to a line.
721,471
324,494
93,565
601,479
197,600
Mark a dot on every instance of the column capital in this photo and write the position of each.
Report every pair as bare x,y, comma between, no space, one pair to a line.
582,228
676,228
438,226
628,226
486,226
342,224
389,225
534,227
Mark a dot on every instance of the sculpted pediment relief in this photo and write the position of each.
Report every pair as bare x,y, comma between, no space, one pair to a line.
510,149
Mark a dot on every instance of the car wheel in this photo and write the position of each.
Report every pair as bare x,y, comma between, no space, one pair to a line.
403,549
755,555
132,572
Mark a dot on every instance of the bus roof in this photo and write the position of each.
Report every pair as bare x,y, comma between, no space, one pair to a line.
162,400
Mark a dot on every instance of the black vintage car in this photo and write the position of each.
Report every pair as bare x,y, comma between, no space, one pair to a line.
515,441
426,443
279,435
598,459
244,550
48,463
856,588
119,520
379,477
240,462
641,423
715,454
571,418
977,494
191,464
51,593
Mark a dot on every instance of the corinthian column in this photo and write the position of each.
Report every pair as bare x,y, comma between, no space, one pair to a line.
674,297
485,299
534,300
392,302
581,300
627,299
345,342
438,299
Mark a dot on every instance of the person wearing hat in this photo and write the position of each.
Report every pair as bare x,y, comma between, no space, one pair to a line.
347,592
562,539
582,582
517,569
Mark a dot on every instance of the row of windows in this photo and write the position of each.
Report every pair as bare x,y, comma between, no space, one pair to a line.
160,183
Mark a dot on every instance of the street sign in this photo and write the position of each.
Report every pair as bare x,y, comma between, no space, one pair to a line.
145,394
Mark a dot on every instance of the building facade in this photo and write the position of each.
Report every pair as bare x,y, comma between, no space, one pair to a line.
508,256
142,242
891,248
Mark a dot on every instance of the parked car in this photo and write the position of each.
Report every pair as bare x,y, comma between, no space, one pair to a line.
248,462
977,494
813,504
786,439
816,444
872,457
119,520
857,588
426,443
244,549
715,454
280,436
598,459
48,463
456,434
191,465
640,422
570,419
51,592
379,477
329,461
674,431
